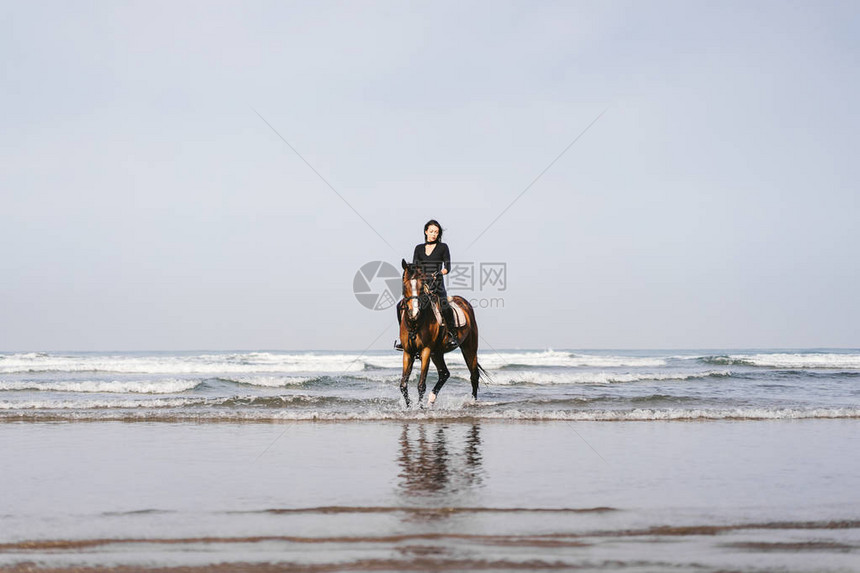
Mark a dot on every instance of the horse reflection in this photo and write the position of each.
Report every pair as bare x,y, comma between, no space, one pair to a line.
434,461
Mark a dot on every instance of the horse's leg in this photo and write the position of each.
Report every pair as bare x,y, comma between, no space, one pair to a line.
442,368
422,378
408,359
469,348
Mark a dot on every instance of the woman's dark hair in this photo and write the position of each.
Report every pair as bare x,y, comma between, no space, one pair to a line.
436,224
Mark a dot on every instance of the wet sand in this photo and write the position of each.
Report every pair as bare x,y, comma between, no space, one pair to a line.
386,496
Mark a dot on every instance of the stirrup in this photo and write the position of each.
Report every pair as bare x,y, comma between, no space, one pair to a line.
453,341
398,345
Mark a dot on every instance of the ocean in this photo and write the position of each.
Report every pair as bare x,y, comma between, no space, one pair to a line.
708,460
342,386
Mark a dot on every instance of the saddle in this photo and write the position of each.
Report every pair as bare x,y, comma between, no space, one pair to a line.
459,313
459,320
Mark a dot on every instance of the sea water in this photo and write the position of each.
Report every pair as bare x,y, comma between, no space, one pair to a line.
519,385
706,460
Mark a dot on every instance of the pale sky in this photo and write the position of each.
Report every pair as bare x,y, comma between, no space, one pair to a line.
147,206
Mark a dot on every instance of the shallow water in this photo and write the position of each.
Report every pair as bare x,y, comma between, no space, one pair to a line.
643,460
449,496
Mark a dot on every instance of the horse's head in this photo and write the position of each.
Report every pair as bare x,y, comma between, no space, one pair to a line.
413,289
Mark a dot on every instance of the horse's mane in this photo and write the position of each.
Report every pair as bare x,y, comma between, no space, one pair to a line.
414,271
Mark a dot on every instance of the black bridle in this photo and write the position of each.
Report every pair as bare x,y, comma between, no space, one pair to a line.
423,297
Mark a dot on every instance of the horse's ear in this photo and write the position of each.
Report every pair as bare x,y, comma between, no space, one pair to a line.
404,264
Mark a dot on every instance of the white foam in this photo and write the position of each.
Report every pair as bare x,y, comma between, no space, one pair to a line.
720,414
104,405
464,409
490,359
269,362
22,356
270,381
171,386
510,377
274,363
469,412
799,360
245,363
395,360
178,405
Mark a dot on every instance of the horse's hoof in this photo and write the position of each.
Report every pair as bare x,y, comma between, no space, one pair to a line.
431,399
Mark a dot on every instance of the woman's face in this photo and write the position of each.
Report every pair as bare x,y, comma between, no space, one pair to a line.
432,233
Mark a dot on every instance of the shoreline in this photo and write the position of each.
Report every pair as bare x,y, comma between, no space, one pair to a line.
295,416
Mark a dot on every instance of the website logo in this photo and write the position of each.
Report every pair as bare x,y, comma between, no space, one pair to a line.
377,285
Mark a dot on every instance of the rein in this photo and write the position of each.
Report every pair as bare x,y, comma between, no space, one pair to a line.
412,324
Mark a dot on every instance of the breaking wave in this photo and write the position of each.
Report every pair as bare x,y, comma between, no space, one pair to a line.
800,360
465,414
514,377
241,363
171,386
516,385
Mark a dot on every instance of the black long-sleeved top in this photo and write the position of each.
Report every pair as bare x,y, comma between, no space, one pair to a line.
440,257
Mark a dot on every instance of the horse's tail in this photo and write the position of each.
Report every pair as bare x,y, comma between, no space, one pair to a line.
482,372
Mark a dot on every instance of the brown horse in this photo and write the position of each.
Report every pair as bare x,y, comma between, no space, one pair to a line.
422,336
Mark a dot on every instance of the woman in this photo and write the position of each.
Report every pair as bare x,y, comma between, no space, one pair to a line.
435,259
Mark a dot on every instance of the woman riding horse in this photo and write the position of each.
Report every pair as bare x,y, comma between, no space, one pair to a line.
434,258
421,335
